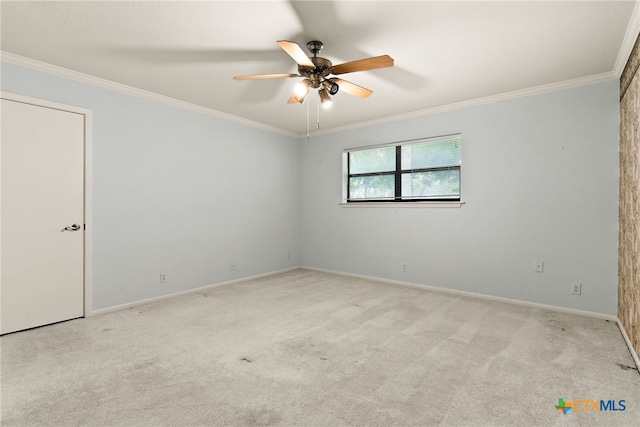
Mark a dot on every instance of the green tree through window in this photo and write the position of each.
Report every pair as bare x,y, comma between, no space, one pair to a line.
427,169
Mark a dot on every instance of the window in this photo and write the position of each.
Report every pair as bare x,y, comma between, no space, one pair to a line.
418,170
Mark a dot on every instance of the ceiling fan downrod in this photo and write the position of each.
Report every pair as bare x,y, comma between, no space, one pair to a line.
315,47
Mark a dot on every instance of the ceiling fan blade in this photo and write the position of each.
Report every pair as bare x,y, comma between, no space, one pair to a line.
265,76
292,100
352,88
296,53
382,61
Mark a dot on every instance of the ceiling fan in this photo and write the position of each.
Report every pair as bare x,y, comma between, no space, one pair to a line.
316,72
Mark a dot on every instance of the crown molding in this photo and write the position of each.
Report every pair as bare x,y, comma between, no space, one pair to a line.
537,90
630,36
55,70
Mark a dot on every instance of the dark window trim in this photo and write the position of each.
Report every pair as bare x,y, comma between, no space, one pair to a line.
398,174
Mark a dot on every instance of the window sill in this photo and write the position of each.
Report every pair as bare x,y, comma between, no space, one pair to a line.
402,205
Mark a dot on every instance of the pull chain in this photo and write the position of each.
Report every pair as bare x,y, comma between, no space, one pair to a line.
307,121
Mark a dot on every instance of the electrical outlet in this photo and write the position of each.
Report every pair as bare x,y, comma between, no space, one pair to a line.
289,257
404,267
539,267
576,288
163,278
233,265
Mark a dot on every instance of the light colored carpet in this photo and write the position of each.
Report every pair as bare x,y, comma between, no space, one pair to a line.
307,348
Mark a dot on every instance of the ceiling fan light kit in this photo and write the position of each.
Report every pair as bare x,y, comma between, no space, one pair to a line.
316,71
301,89
325,99
331,86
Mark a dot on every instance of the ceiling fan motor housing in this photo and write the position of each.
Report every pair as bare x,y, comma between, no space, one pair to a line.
317,74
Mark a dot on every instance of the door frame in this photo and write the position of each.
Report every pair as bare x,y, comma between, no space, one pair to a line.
87,185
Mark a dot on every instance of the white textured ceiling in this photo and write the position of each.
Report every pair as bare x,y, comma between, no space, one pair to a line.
445,52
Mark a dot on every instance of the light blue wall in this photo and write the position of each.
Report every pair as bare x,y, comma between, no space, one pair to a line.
539,182
186,194
177,192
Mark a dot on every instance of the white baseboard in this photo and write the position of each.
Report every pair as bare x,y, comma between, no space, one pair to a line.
188,291
634,355
473,295
377,279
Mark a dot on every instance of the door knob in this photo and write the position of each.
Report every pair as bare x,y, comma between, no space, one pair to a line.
74,227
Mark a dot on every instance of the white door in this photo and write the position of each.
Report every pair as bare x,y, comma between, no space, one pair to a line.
42,216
